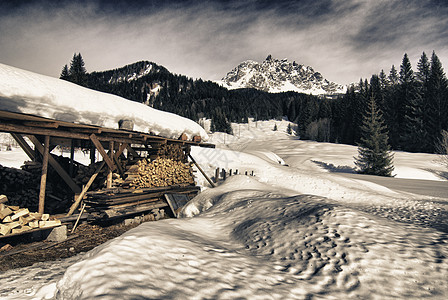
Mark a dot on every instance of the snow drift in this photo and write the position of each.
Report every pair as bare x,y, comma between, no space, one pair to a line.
27,92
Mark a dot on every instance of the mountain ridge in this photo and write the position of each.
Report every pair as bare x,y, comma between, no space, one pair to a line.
279,75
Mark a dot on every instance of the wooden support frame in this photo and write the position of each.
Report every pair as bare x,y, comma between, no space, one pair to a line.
103,153
109,174
89,183
24,145
64,175
202,171
43,178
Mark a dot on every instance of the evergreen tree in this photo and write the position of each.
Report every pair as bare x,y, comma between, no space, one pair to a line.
77,71
438,102
374,156
65,74
408,107
393,76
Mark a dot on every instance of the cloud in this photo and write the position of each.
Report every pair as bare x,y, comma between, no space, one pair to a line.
342,39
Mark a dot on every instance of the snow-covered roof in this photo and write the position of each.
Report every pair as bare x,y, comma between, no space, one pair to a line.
27,92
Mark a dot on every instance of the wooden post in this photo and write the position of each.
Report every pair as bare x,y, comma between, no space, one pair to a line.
202,171
85,189
75,188
79,217
87,186
109,174
72,157
43,178
230,172
92,154
217,175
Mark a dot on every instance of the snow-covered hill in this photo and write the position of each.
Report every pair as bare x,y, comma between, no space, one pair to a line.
274,75
287,233
27,92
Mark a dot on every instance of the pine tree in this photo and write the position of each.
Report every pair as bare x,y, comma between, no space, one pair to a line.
438,102
409,109
374,156
393,76
77,71
65,74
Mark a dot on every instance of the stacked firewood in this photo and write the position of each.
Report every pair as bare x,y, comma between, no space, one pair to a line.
158,173
22,187
85,172
14,219
173,152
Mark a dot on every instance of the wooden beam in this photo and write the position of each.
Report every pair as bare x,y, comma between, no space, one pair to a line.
202,171
109,174
75,188
85,189
72,156
46,124
24,145
103,153
132,151
43,178
117,162
92,154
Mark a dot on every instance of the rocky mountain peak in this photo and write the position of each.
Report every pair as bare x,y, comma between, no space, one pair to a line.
280,75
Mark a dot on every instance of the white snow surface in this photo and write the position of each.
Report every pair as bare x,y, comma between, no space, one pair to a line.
302,231
27,92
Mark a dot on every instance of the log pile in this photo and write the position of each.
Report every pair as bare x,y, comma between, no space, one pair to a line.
173,152
14,220
158,173
21,187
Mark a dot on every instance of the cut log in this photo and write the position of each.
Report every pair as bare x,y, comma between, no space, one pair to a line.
20,229
45,224
25,220
7,219
4,229
45,217
13,225
36,216
3,199
20,213
34,224
5,212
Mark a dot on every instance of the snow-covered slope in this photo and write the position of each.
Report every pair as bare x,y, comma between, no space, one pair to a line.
274,75
31,93
292,232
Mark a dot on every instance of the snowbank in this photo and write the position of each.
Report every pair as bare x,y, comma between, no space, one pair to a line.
26,92
259,242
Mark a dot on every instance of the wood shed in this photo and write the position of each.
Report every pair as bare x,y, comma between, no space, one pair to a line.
136,172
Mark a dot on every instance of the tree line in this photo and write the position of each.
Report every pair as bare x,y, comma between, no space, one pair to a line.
414,105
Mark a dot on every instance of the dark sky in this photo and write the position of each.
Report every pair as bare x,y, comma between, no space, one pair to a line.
342,39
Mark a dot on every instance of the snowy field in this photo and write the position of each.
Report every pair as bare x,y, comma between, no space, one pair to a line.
302,228
298,229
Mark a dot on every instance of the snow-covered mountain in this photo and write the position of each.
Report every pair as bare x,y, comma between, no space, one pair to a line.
274,76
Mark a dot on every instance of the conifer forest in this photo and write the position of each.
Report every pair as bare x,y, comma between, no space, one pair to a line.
413,103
